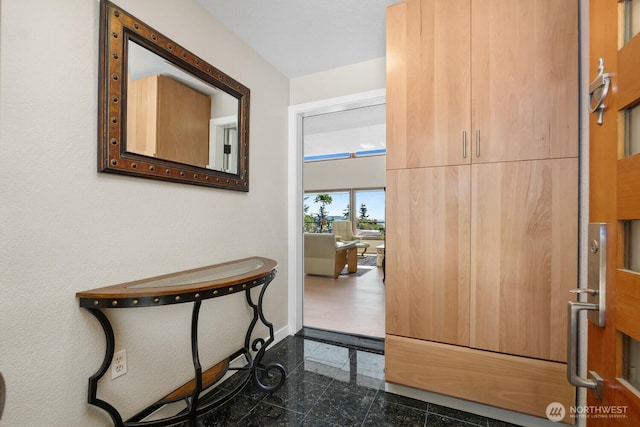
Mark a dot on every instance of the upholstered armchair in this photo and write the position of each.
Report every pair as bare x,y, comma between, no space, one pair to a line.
344,232
324,256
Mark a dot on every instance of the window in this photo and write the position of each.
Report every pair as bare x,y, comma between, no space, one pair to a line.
364,207
321,209
369,211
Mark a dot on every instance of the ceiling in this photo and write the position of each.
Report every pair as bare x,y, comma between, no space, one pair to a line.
301,37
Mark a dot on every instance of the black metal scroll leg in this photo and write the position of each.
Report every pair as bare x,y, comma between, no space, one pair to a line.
193,409
260,345
252,325
108,357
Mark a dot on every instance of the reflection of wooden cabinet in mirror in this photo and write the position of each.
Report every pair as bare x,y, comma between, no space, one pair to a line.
168,120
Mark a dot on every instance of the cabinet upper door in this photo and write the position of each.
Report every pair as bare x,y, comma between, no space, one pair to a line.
524,246
428,83
427,253
524,62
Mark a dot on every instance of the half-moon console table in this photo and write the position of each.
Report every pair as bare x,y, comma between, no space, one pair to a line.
192,286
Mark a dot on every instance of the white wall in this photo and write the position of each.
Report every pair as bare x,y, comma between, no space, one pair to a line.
66,228
343,81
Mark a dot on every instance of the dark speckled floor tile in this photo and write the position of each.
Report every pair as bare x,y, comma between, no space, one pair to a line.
297,396
330,355
314,372
309,421
342,408
289,352
266,415
459,415
434,420
404,401
329,385
230,413
363,386
384,413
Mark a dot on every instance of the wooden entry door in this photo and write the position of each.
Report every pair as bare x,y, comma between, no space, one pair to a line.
614,199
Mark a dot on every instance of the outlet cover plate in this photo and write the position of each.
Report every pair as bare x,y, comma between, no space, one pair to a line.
119,364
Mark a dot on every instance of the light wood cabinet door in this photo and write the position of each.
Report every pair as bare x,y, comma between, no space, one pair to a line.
524,62
524,238
427,253
428,83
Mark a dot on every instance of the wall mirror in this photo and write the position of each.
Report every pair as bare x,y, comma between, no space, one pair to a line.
165,113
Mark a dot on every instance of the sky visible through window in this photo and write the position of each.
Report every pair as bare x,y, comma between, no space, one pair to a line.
374,200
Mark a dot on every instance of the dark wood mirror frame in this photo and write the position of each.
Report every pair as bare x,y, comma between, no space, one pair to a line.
117,28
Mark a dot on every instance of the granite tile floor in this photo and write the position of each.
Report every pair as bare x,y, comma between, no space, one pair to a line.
332,385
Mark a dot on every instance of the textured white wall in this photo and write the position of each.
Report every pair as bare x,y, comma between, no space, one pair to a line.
343,81
66,228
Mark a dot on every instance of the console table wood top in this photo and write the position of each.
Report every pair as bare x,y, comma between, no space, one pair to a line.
185,286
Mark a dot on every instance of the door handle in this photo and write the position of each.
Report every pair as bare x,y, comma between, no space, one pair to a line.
464,144
594,381
598,91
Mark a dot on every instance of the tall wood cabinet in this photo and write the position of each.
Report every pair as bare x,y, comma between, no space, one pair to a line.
482,197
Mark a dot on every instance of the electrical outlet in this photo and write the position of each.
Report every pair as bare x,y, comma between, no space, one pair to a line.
119,364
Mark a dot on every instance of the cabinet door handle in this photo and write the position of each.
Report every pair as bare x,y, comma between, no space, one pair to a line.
477,142
464,144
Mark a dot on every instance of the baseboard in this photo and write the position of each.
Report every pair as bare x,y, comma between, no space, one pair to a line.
516,418
281,334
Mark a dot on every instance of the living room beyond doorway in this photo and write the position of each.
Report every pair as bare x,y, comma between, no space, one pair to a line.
351,303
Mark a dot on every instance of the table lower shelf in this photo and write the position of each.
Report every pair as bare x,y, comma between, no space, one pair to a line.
209,378
210,397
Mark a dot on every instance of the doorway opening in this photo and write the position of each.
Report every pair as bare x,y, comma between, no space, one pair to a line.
343,203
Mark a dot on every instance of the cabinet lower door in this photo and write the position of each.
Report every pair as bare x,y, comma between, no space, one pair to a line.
524,236
427,253
515,383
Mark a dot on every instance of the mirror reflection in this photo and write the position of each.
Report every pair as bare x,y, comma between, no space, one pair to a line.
175,116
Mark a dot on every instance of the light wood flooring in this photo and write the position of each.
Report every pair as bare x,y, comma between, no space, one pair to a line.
353,305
